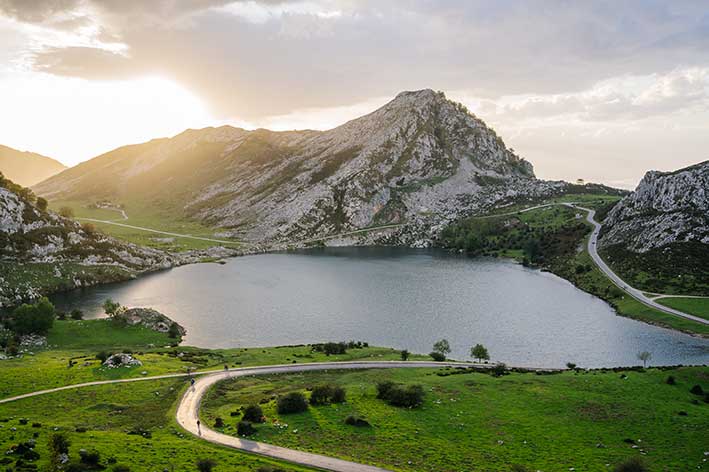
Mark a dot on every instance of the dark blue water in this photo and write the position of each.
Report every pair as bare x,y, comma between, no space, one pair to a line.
396,297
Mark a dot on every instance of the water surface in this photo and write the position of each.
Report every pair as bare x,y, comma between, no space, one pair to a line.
401,298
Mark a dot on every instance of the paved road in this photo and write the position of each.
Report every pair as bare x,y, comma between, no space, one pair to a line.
633,292
188,412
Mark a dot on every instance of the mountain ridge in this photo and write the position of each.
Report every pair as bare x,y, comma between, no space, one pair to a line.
421,161
27,168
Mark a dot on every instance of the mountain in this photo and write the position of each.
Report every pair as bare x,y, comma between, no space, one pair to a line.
41,251
662,230
420,161
27,168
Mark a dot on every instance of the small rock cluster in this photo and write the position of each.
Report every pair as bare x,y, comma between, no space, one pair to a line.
121,359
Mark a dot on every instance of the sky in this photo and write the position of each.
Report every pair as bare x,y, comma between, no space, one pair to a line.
598,90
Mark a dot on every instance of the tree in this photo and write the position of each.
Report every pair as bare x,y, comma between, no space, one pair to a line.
571,366
66,212
58,446
174,331
253,414
644,356
442,347
293,402
42,204
77,314
88,228
206,465
37,318
479,352
111,308
404,355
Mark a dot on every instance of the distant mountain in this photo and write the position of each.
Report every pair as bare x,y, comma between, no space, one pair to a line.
421,161
27,168
660,232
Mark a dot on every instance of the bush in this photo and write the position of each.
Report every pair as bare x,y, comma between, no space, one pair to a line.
437,356
245,428
670,380
91,458
405,355
356,421
293,402
218,422
42,204
174,331
571,366
398,395
206,465
383,389
37,318
102,356
499,370
634,464
254,414
338,395
331,348
66,212
324,394
697,390
77,314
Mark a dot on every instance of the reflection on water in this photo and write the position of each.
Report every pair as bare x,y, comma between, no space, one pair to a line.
395,297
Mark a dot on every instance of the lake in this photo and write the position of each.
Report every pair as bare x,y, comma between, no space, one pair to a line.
402,298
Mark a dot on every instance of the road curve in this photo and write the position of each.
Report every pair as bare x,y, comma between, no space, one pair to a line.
633,292
188,412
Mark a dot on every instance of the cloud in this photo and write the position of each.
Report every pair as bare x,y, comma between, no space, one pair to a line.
252,59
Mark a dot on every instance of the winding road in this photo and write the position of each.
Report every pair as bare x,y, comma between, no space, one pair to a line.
620,283
187,412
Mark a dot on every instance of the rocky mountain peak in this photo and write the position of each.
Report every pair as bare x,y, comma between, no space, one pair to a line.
665,208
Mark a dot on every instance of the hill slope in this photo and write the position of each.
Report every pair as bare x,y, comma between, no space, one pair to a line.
27,168
42,252
659,234
420,160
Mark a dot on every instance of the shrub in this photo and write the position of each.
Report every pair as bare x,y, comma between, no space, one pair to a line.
37,318
356,421
206,465
61,315
634,464
324,394
91,458
218,422
437,356
66,212
570,366
174,331
670,380
245,428
383,389
293,402
398,395
254,414
321,395
499,370
697,390
338,395
42,203
77,314
405,355
102,356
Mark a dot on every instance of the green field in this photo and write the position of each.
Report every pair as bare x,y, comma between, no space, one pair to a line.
694,306
477,422
131,424
147,217
80,341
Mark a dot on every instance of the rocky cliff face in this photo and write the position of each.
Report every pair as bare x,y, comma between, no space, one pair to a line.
666,208
420,161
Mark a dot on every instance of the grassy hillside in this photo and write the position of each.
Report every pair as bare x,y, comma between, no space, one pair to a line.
146,216
477,422
695,306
